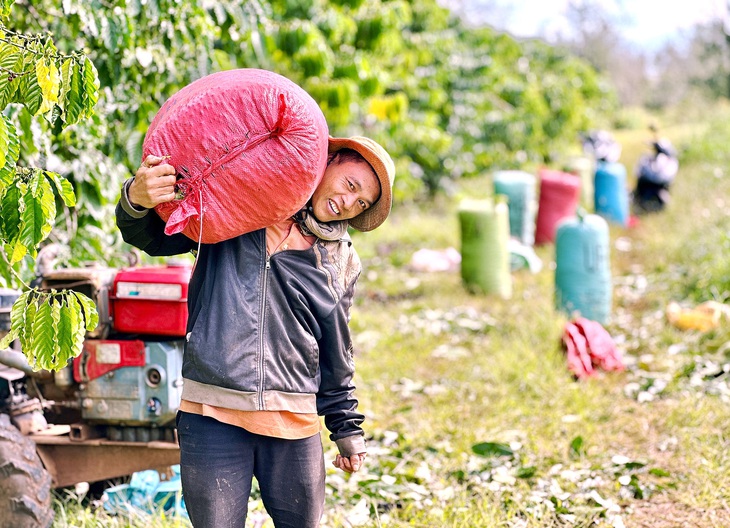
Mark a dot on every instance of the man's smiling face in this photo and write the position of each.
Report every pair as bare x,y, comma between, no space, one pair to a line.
347,189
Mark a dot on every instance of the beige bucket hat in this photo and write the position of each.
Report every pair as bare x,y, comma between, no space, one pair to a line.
384,168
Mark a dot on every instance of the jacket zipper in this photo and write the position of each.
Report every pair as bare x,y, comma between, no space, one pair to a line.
264,287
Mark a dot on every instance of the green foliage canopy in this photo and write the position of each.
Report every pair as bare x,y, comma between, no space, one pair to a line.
447,101
61,89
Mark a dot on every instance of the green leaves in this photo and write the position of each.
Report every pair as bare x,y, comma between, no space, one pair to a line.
29,91
10,149
64,188
11,63
51,326
91,87
39,211
5,6
28,206
79,90
10,209
27,200
490,449
576,448
74,86
35,74
47,83
4,139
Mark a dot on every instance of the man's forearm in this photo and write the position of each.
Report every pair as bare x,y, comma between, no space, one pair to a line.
145,230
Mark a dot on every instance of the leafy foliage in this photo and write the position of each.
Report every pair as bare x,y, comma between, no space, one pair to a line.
448,101
46,82
29,209
62,89
51,326
488,449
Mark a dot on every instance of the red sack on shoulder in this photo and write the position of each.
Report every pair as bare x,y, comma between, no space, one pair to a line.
249,147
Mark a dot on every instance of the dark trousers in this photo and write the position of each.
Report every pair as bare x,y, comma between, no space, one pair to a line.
650,196
218,462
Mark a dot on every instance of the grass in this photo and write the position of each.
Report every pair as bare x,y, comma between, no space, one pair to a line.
473,419
509,383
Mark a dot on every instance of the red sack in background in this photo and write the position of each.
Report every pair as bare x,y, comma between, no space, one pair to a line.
576,347
559,198
249,147
601,347
589,347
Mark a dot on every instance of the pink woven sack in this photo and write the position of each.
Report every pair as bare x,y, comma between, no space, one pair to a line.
589,347
249,147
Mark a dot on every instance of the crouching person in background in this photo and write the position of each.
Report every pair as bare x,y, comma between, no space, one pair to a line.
655,174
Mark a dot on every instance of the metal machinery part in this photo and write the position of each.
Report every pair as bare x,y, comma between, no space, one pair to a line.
111,411
146,395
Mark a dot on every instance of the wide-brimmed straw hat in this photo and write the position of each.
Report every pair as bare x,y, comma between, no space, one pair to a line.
384,168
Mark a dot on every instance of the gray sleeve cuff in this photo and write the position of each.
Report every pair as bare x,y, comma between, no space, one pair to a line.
351,445
134,212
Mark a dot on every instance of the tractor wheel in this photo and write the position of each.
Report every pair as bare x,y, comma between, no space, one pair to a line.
25,485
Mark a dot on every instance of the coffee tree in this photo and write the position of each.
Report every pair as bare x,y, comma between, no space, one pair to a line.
61,89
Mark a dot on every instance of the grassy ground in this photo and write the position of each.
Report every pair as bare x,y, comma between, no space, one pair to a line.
442,371
473,419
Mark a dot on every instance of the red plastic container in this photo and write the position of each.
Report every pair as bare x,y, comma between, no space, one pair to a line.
559,198
151,300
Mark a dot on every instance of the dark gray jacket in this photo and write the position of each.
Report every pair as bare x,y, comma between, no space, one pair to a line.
265,332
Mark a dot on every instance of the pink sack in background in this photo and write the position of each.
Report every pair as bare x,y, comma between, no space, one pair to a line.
559,198
601,347
249,147
589,347
576,347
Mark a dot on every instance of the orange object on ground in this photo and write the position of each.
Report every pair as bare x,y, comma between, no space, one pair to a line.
702,317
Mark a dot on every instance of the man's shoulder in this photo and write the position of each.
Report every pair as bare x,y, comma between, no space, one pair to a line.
343,256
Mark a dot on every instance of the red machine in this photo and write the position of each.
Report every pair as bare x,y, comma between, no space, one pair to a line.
151,300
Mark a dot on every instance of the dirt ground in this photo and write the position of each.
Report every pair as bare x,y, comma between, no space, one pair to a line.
663,514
